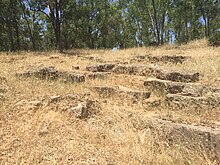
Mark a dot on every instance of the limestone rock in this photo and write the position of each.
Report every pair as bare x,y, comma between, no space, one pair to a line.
81,110
105,91
84,109
100,67
71,77
185,89
123,92
179,101
97,75
127,69
135,95
172,75
168,59
175,59
163,86
40,72
153,102
54,99
199,138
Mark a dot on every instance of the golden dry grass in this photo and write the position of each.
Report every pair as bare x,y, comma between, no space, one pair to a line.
51,136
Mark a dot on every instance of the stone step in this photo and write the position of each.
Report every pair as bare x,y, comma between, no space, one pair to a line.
71,77
100,67
171,74
108,91
40,72
96,75
159,72
51,73
163,59
185,89
178,101
163,86
128,69
204,140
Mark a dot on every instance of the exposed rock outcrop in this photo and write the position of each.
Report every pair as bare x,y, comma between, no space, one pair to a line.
100,67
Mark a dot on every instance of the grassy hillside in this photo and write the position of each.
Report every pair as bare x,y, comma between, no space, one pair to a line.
36,130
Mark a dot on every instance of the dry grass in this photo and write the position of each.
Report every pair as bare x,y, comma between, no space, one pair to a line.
51,136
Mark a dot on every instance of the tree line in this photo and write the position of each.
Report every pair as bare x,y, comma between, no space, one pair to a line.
65,24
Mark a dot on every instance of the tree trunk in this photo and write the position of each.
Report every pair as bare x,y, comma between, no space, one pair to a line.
57,27
156,22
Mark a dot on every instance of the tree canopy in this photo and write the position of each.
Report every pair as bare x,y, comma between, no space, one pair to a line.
66,24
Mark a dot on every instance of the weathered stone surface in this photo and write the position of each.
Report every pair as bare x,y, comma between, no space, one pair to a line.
185,89
163,86
31,105
52,73
100,68
54,98
198,138
168,59
84,109
172,75
97,75
180,101
156,71
184,95
81,110
178,76
153,102
134,94
164,59
127,69
40,72
71,77
105,91
156,59
198,90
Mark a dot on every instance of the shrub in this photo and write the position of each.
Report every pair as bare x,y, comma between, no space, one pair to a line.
214,39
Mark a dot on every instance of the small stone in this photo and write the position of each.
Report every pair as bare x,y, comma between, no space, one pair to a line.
36,103
2,96
75,67
43,130
54,98
81,110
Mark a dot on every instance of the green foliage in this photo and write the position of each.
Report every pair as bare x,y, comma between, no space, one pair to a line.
214,39
35,25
